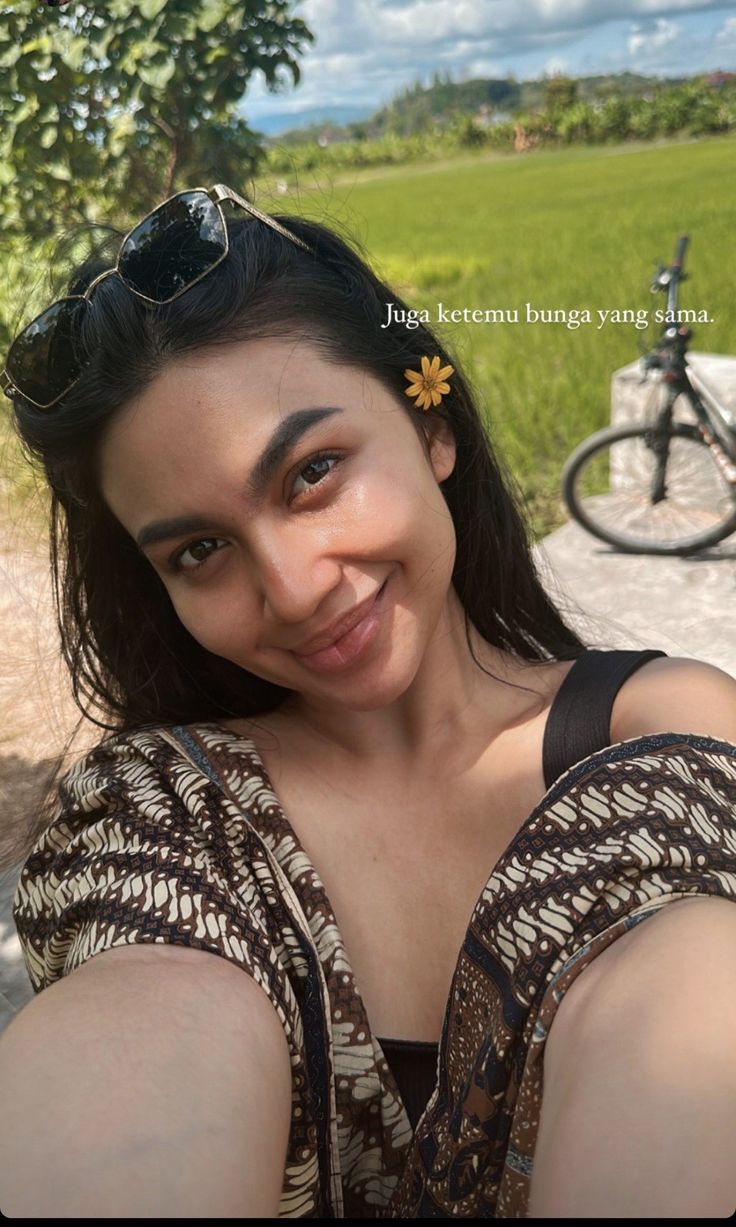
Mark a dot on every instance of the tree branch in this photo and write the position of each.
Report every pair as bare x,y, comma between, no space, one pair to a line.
173,156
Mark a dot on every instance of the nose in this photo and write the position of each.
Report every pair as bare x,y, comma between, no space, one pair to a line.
295,579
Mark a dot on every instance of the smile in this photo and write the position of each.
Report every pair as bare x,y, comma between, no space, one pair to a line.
350,646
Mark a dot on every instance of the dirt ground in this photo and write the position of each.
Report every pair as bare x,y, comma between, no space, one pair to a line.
37,709
37,712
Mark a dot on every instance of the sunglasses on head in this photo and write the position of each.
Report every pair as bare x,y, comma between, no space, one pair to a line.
173,248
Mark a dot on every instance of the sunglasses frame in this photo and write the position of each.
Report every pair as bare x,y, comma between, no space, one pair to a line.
217,195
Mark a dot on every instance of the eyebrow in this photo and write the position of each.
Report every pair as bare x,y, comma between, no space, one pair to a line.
284,438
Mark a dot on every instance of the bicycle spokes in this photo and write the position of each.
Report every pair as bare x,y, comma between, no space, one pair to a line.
649,490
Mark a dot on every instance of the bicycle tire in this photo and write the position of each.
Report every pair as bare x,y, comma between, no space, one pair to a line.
594,512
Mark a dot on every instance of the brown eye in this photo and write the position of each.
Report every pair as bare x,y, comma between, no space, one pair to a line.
317,461
193,545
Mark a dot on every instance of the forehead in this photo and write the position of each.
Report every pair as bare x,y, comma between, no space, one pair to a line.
200,405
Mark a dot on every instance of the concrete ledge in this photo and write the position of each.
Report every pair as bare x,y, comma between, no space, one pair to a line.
629,395
683,606
635,401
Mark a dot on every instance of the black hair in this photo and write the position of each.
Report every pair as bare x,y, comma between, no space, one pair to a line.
121,638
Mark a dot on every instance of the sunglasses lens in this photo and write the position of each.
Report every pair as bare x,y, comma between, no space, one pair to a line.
41,361
180,241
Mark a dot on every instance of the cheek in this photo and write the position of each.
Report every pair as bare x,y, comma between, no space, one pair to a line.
400,503
409,521
217,623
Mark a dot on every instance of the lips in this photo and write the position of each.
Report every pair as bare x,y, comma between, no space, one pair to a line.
339,628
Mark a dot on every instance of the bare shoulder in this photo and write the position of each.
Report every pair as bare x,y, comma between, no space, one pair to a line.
157,973
676,694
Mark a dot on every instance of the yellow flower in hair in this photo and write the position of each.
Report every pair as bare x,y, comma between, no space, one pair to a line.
429,386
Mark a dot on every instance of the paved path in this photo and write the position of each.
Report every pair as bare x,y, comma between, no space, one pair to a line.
683,606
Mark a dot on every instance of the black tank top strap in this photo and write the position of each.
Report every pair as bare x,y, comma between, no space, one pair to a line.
579,722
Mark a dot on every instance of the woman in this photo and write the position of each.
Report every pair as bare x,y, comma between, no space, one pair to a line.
297,580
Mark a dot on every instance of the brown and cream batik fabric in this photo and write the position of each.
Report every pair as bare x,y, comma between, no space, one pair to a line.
174,834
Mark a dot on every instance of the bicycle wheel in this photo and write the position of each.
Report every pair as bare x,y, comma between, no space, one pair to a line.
609,480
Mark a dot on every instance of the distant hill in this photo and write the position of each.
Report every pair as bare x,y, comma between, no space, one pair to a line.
277,122
419,107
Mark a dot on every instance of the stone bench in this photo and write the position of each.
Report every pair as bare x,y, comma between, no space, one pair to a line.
630,398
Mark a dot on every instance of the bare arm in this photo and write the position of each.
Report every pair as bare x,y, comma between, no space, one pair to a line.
153,1081
639,1104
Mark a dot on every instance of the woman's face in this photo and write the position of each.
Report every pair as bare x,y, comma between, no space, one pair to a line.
283,542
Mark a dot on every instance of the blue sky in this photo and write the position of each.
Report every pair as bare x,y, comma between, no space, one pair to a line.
365,51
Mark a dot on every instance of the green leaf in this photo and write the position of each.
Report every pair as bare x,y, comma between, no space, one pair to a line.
151,8
157,75
74,54
42,43
58,170
217,53
119,11
9,57
213,12
99,46
122,128
49,114
25,110
123,124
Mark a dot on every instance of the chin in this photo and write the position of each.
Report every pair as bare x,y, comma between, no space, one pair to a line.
377,688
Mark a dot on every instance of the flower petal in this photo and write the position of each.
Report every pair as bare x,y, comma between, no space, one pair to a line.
424,402
435,366
436,397
425,365
415,376
415,389
442,387
446,370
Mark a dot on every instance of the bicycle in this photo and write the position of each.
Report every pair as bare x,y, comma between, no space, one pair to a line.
628,484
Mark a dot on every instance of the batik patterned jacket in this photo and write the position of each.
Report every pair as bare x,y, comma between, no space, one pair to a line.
174,834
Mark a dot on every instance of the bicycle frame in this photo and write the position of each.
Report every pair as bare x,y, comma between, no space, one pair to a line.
713,416
721,419
716,423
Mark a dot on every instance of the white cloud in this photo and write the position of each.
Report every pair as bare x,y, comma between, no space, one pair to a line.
726,36
482,67
649,39
501,26
367,50
427,22
556,64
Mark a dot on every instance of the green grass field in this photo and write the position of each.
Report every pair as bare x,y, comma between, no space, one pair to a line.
573,230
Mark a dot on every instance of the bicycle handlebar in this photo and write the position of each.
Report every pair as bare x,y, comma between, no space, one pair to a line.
682,243
677,273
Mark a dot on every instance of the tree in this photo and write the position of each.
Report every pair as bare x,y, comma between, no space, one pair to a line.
119,104
559,92
466,132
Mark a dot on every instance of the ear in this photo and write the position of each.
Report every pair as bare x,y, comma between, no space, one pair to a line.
442,447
